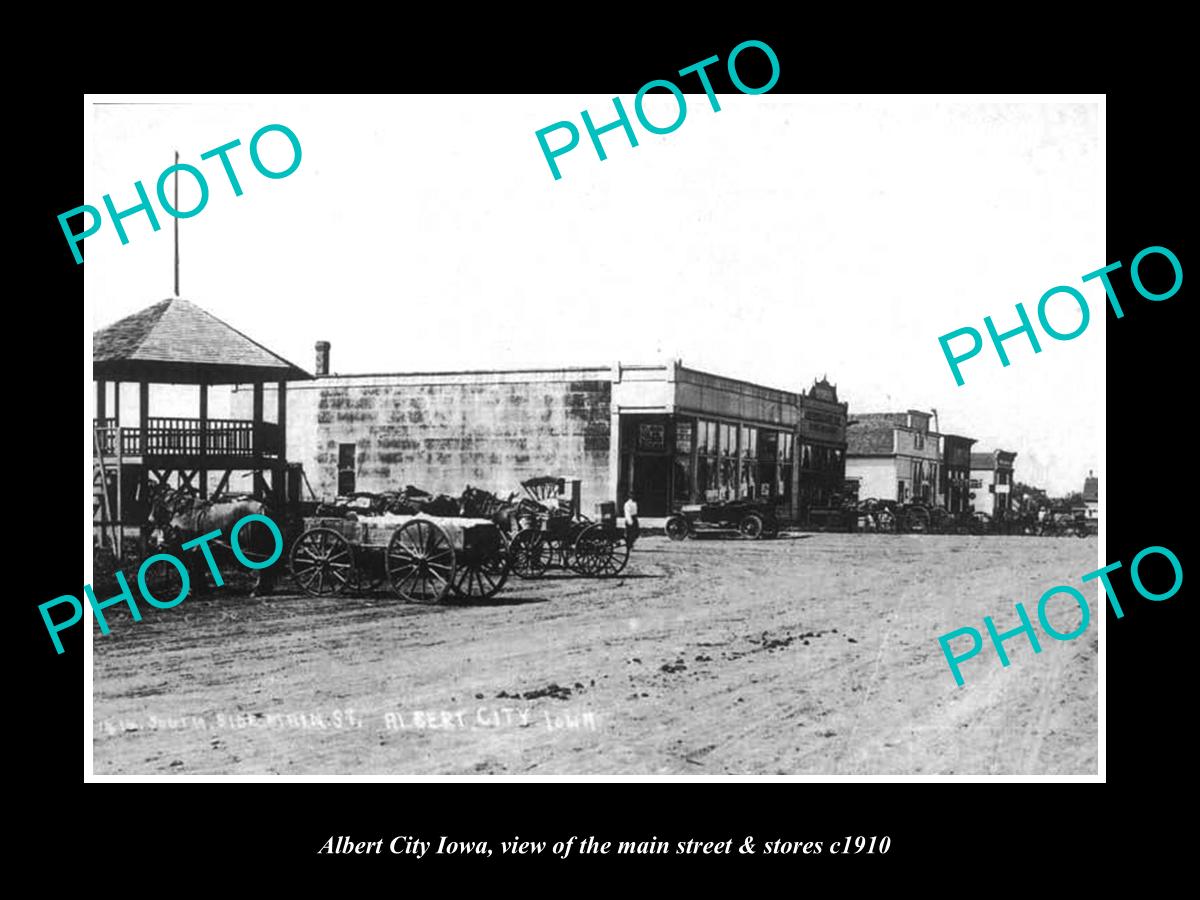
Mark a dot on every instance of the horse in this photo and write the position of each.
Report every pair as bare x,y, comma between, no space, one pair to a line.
181,516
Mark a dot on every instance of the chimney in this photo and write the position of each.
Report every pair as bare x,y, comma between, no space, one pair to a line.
322,358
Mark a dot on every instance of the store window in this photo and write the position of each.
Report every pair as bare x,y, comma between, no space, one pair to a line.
786,448
346,480
749,463
806,456
728,473
728,440
684,440
768,463
707,460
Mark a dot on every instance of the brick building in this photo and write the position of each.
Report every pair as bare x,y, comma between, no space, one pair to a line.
894,456
669,434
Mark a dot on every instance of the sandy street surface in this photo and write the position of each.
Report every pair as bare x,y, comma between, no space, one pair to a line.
813,653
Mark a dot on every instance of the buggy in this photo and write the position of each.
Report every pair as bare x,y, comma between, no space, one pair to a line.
554,534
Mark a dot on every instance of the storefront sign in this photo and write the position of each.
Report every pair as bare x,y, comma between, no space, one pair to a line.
651,437
683,437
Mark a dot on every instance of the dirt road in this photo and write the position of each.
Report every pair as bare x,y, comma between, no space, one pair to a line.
807,654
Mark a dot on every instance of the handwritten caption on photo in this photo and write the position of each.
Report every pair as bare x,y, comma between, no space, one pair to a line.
482,718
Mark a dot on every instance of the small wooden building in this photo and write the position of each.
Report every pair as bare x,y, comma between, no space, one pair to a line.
177,342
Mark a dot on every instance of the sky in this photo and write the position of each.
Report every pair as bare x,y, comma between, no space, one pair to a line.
779,240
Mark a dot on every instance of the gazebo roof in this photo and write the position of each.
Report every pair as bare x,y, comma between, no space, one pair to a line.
177,342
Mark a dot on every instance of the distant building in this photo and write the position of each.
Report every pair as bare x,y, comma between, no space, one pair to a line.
956,472
822,453
1091,501
894,456
991,482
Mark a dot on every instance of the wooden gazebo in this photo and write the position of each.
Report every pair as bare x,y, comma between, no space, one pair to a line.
177,342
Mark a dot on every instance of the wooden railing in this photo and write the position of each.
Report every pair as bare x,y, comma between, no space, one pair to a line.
173,436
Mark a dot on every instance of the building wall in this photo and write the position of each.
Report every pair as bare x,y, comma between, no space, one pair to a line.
876,474
982,484
713,395
918,464
821,467
956,473
442,432
993,471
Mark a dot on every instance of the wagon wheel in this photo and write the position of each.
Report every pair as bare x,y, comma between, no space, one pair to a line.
917,520
565,544
592,552
580,552
619,557
322,562
868,519
420,561
677,528
751,525
885,520
530,554
481,575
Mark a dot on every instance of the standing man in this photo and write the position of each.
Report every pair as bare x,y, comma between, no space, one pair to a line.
632,529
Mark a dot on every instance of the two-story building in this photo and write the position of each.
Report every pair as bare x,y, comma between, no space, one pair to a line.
821,459
894,456
991,482
956,472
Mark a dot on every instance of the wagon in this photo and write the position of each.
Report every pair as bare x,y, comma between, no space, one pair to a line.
422,557
752,519
554,534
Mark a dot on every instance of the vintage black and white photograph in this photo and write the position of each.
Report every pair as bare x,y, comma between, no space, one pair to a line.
449,435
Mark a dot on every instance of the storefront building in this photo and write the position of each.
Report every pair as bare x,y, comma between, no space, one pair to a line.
664,434
689,437
821,460
991,482
895,456
1091,501
956,472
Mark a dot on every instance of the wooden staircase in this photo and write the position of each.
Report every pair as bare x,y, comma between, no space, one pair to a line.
106,494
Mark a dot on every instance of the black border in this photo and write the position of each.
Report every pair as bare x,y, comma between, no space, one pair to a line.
937,830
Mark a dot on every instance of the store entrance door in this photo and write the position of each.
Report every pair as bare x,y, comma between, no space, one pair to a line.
651,484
